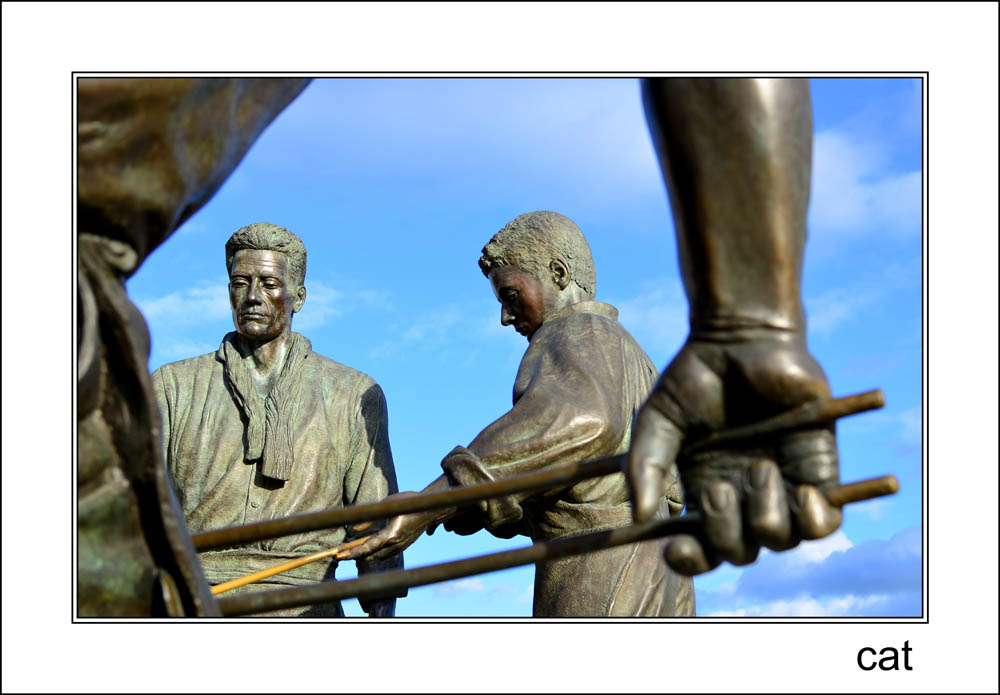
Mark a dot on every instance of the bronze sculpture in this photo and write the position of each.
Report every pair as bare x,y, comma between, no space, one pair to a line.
264,427
577,389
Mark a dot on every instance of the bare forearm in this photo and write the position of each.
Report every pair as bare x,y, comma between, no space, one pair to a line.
437,516
736,156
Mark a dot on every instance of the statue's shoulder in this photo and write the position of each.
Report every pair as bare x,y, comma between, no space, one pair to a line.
585,323
335,372
189,366
591,327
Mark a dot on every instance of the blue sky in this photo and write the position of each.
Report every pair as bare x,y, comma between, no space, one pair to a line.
394,185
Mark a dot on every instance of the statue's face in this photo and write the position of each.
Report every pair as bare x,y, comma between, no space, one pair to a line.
262,295
525,300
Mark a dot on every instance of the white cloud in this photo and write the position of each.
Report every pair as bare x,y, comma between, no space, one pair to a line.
196,305
322,304
183,349
874,509
830,577
831,309
839,606
192,227
834,307
528,595
461,586
428,330
486,589
854,194
819,550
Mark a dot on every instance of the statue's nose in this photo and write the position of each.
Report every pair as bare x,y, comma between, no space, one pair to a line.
253,292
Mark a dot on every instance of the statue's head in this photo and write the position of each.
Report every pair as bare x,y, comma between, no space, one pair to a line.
538,264
267,271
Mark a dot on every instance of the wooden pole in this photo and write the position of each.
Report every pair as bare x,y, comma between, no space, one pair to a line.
284,567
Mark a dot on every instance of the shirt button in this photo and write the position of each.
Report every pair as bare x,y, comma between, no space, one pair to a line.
253,504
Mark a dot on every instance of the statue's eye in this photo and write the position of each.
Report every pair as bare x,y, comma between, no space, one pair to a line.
510,295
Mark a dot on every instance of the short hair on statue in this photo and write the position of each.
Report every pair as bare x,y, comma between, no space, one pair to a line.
264,236
532,240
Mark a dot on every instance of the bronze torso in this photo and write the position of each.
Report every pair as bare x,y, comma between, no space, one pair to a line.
579,385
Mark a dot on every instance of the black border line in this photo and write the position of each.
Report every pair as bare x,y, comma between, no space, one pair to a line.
925,195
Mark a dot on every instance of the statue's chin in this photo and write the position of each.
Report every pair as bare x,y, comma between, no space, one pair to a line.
258,333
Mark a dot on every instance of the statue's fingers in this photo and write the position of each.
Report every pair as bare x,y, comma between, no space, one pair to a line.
768,515
686,556
367,550
655,443
723,523
809,457
814,516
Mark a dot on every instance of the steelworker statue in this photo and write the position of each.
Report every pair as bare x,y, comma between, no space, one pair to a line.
578,388
264,427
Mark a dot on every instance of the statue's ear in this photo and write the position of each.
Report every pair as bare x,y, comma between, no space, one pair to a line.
300,299
560,273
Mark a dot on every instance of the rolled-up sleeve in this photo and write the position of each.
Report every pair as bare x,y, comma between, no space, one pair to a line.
562,414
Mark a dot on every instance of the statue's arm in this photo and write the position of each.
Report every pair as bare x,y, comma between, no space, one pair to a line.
159,380
371,477
564,415
736,158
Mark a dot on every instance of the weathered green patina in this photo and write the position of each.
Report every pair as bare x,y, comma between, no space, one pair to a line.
264,427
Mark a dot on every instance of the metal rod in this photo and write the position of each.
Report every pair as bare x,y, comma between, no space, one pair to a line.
814,412
394,582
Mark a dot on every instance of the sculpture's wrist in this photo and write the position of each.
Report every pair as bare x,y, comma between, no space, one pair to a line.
728,326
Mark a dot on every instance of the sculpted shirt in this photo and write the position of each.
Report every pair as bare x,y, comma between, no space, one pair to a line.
578,388
340,445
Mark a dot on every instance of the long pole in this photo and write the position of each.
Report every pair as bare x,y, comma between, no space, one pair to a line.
816,412
394,582
455,497
285,566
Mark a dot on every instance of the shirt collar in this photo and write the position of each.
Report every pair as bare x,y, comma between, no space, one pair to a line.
590,306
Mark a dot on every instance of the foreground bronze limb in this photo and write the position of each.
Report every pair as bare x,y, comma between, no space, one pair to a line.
389,583
736,157
151,152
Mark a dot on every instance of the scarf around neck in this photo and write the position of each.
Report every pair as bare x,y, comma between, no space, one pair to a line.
268,419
